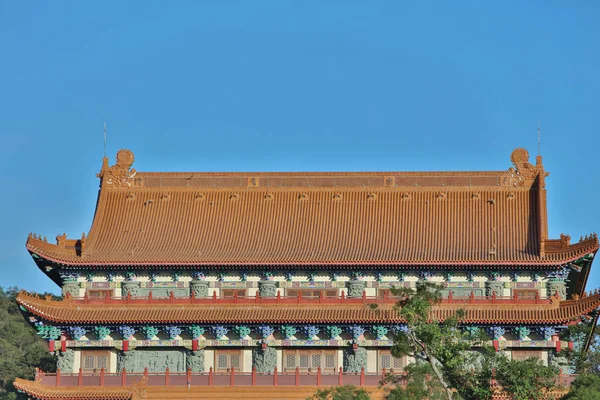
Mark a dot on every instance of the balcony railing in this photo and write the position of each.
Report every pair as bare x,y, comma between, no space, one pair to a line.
232,378
210,378
299,299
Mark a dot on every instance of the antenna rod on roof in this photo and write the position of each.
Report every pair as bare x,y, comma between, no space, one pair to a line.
104,139
539,139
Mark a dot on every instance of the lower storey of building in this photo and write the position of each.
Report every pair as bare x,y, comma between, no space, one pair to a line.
244,359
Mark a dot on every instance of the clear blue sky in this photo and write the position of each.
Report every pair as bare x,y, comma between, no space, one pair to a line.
289,85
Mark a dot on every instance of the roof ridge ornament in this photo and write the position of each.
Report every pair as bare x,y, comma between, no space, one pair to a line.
524,172
121,174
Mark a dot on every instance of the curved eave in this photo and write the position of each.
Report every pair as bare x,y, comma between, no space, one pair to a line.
64,312
38,391
53,257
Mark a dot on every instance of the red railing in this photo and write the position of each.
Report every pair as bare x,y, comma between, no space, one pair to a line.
231,378
299,299
210,378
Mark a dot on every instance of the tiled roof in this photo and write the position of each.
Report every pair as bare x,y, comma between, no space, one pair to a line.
38,391
67,312
293,219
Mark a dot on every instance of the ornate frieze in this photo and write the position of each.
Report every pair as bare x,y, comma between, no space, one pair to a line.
76,332
310,331
356,288
287,331
521,332
267,288
241,331
333,331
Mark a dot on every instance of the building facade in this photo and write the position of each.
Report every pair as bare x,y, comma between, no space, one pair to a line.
275,271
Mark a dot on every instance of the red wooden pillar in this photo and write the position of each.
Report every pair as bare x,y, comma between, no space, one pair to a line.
124,377
167,375
80,378
232,379
51,345
210,377
63,345
297,376
341,378
194,344
254,376
383,373
449,297
275,383
57,377
319,376
189,376
102,376
362,376
146,372
125,345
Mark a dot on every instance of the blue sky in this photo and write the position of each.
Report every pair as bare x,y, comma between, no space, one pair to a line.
289,86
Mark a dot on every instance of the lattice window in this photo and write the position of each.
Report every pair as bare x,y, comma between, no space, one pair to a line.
310,360
312,293
525,354
525,293
98,294
229,293
227,359
94,360
389,362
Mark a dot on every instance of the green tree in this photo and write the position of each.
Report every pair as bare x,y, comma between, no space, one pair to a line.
21,349
347,392
584,387
451,363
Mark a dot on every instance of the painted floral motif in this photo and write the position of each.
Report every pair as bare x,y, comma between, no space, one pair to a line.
265,331
379,331
175,276
152,275
472,330
101,331
129,275
379,276
311,275
198,275
126,331
172,331
287,331
425,275
546,332
396,329
76,332
495,276
333,331
496,331
514,276
356,275
110,276
334,276
289,275
244,275
241,331
267,275
309,331
521,332
149,331
471,276
89,276
48,331
355,331
218,331
195,331
401,276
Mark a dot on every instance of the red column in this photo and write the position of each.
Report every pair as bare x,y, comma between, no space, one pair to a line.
80,378
210,377
124,377
57,376
253,376
167,375
63,345
194,344
297,376
341,378
101,376
189,376
125,345
275,383
319,376
51,345
232,379
362,376
146,372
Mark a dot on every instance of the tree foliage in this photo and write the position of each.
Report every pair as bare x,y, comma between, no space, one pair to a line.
21,349
347,392
451,363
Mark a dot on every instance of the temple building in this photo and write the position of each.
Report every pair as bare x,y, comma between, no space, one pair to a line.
213,274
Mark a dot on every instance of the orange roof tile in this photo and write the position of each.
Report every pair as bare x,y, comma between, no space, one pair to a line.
76,313
289,219
38,391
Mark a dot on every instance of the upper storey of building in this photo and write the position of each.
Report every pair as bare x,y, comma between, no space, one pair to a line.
345,219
